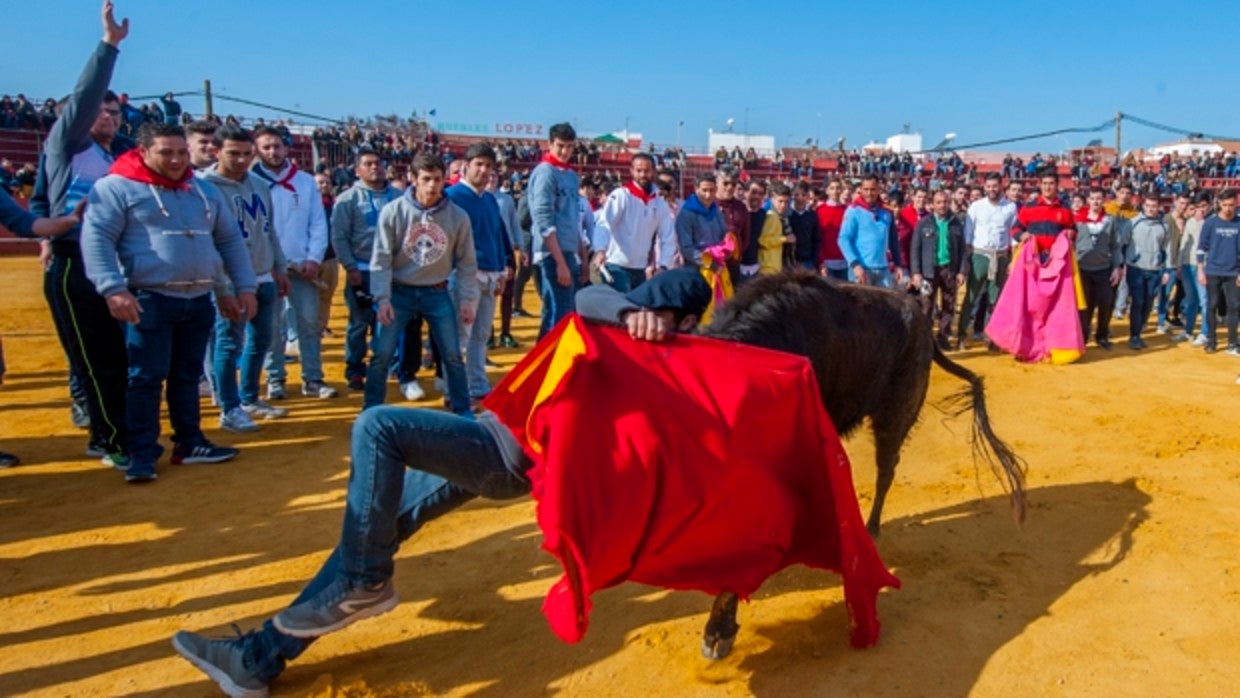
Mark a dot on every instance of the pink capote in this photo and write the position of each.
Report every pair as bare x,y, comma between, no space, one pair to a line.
1036,316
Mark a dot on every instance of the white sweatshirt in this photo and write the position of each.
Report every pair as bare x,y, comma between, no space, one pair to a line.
300,221
628,227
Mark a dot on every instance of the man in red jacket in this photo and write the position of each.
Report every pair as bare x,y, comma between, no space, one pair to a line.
1045,217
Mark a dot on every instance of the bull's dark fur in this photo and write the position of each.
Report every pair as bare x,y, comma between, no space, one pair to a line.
871,350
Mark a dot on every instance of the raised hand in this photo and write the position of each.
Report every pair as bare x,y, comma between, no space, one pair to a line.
113,33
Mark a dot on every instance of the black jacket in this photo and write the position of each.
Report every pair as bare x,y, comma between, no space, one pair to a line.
925,246
809,236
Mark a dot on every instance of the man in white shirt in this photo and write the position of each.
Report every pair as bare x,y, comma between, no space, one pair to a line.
988,244
301,225
628,224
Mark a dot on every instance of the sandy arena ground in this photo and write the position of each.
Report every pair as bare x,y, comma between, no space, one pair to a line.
1123,581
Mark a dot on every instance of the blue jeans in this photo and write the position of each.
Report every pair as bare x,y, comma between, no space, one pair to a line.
557,300
1190,304
361,321
1143,290
879,276
434,304
476,335
624,279
840,274
167,344
300,319
244,343
1164,295
409,467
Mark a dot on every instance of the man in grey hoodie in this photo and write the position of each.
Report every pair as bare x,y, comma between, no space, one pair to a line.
237,338
1147,254
355,216
422,238
153,240
1100,257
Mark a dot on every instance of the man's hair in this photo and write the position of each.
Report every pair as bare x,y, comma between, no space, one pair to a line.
201,127
869,178
781,189
803,187
1053,175
110,96
480,150
1202,198
644,156
366,151
562,132
995,176
148,132
1124,185
266,130
426,162
1226,195
706,178
756,183
229,133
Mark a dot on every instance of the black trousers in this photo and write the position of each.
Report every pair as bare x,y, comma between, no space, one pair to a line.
94,342
1100,297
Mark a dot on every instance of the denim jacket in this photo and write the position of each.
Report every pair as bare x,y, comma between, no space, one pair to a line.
553,207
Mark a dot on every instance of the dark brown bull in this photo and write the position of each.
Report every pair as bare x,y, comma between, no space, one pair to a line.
871,350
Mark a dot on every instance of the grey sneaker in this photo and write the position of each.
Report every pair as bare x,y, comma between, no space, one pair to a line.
275,390
261,409
340,604
237,420
318,389
223,661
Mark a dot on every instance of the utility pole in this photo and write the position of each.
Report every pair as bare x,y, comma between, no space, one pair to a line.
1119,120
206,93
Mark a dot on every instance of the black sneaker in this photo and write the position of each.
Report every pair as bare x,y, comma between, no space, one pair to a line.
223,661
1104,343
138,473
8,460
205,452
1210,348
340,604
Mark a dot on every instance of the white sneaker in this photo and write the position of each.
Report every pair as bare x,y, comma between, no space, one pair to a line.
262,409
204,388
237,420
1200,341
1162,328
1179,337
412,391
292,348
318,389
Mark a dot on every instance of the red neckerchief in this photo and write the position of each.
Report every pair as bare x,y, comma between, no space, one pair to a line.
638,192
1085,216
286,180
554,161
874,210
131,166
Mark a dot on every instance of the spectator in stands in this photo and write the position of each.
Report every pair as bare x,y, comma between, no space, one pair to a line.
24,180
25,113
172,109
8,112
47,114
556,217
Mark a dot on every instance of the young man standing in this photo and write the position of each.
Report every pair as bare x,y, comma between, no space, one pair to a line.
1218,268
241,342
988,247
301,225
1147,255
1100,257
830,216
421,239
152,227
493,254
803,221
556,216
633,221
354,220
512,228
868,239
936,255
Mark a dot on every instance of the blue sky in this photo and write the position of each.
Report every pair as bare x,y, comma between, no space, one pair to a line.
984,70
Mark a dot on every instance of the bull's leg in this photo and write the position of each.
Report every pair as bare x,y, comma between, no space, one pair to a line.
721,627
887,444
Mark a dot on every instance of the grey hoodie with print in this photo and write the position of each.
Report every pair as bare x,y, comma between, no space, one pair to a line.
421,246
250,202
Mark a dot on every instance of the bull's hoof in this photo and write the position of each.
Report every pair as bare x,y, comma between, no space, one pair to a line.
715,647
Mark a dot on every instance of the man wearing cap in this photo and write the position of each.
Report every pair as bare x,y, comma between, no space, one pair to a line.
410,466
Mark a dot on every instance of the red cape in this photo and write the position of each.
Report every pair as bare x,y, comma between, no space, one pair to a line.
691,463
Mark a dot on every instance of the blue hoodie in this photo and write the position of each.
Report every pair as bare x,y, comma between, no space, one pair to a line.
490,239
868,236
1219,246
698,228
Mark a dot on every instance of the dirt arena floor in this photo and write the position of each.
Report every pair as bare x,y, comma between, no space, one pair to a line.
1123,581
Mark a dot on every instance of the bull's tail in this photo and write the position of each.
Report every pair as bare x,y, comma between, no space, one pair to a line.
1007,466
